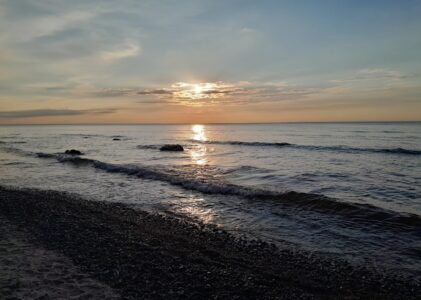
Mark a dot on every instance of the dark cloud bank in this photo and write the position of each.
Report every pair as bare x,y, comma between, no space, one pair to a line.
52,112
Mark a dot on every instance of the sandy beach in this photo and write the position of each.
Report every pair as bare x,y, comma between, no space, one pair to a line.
56,245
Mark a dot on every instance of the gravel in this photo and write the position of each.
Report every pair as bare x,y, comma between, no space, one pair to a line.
150,256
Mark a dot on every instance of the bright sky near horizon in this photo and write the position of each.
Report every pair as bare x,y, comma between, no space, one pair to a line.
197,61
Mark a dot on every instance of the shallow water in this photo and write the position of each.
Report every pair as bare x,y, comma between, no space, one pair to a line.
358,185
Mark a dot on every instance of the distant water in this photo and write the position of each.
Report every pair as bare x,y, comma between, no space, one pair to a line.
352,190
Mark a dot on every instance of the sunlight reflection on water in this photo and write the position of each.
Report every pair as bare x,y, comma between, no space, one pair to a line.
195,206
198,154
199,133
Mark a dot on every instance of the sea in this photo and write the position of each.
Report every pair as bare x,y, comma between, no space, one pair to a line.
348,190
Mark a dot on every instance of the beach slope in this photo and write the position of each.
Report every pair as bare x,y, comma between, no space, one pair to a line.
138,255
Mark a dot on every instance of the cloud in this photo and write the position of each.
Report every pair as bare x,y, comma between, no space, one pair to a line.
155,92
247,30
122,92
53,112
177,91
241,92
380,73
31,20
117,92
129,50
373,74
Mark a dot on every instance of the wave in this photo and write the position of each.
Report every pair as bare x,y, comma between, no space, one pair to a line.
399,150
209,181
392,131
159,146
14,163
240,143
154,147
45,155
88,136
209,184
18,142
12,142
247,169
14,150
402,151
83,135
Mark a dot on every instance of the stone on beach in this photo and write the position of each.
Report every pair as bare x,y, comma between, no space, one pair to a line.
73,152
175,147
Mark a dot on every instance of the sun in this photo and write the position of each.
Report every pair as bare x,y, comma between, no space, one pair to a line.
194,91
197,93
198,89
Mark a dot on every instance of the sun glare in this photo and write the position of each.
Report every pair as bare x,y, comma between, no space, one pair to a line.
199,133
199,91
198,153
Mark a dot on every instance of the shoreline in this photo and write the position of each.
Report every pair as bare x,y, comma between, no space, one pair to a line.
150,256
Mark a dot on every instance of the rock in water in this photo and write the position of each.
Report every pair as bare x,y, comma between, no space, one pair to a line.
73,152
175,147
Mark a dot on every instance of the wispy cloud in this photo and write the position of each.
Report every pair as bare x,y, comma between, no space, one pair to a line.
381,73
43,25
126,51
155,92
179,91
213,92
125,92
53,112
373,74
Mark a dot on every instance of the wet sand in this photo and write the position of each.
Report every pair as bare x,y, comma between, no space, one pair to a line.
87,249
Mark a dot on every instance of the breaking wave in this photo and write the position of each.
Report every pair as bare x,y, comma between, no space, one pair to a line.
202,181
206,180
402,151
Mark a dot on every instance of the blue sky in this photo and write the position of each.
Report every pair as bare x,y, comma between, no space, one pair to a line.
209,61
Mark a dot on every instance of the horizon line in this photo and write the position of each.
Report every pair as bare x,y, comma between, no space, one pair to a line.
206,123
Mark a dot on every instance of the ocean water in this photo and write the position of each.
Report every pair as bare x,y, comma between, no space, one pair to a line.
345,189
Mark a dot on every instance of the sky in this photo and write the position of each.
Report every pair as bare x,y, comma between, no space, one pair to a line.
214,61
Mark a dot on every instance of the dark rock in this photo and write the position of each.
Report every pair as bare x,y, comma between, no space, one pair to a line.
116,139
175,147
73,152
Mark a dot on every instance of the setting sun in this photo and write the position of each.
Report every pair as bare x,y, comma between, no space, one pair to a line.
198,89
